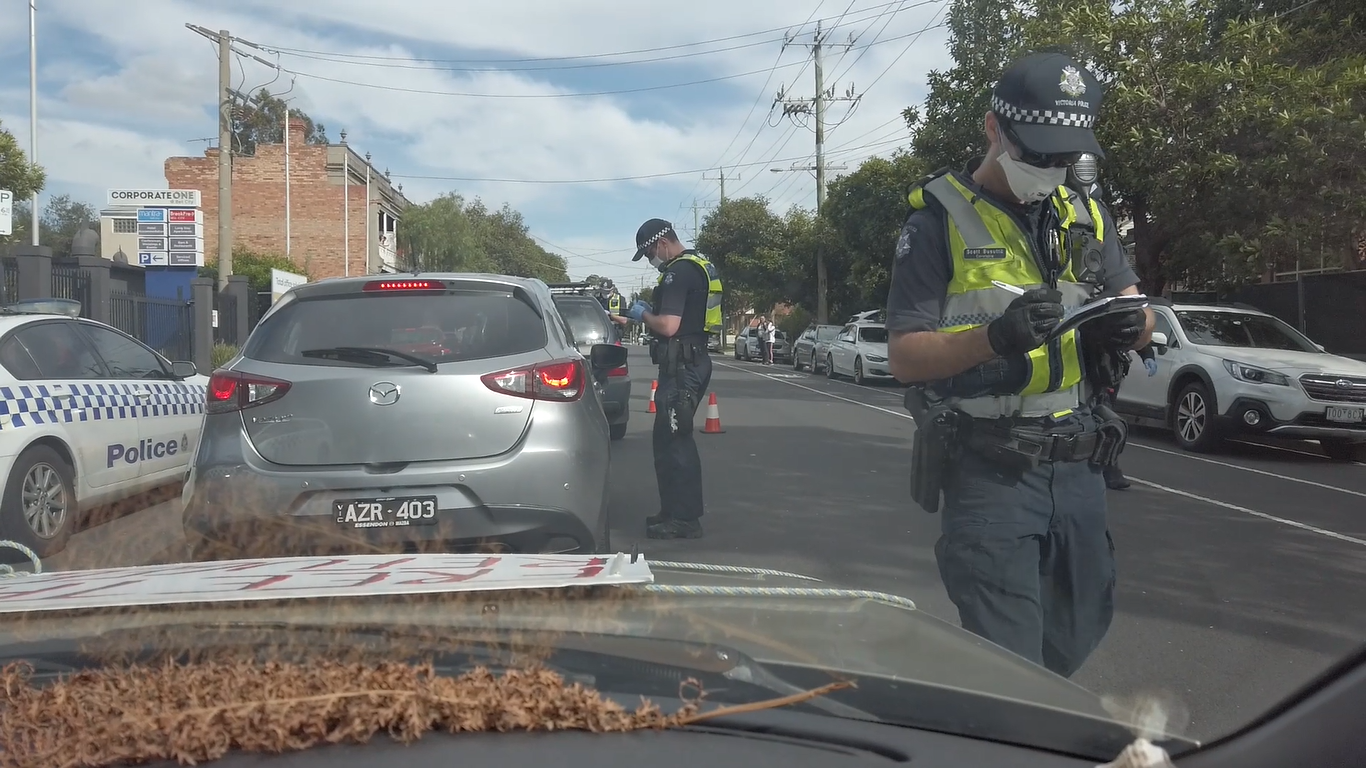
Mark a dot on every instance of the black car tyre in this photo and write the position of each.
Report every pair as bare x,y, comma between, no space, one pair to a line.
617,431
39,507
1193,419
858,372
829,367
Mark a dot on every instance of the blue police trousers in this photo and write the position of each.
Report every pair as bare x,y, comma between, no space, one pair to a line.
1027,558
678,468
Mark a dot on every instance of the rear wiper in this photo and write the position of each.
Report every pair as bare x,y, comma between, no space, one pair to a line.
371,355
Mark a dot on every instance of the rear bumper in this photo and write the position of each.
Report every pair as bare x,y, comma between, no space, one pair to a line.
539,491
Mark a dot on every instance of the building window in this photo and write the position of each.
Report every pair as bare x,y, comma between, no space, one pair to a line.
125,226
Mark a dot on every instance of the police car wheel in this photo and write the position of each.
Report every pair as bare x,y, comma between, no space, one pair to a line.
858,372
39,506
829,367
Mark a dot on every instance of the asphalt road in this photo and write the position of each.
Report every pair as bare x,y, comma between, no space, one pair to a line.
1241,575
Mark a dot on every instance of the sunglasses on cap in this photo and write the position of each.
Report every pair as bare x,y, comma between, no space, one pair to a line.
1037,159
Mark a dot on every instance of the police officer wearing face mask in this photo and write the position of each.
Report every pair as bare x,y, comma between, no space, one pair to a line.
687,302
1008,435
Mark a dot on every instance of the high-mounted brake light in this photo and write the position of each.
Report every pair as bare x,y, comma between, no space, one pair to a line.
233,391
405,285
560,381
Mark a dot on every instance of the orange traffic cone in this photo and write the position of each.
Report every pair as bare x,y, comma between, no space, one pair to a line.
653,386
713,425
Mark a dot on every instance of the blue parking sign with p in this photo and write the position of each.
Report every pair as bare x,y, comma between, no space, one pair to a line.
144,259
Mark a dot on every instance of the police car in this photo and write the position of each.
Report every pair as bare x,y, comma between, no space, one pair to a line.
88,415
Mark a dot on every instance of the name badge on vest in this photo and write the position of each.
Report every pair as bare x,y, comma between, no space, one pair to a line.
984,254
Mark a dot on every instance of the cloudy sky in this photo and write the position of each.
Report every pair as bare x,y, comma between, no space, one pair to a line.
589,116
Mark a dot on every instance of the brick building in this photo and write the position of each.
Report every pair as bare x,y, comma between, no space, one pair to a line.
318,205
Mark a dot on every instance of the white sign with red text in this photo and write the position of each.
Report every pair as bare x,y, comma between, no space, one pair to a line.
309,577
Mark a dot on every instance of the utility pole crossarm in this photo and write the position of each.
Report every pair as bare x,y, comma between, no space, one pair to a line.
721,176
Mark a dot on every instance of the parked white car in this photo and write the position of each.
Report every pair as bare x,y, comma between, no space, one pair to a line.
88,416
1229,370
859,351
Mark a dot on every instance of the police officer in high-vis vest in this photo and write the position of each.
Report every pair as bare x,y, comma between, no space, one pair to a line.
1011,432
687,302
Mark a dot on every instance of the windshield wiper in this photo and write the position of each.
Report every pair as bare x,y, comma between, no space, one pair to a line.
370,355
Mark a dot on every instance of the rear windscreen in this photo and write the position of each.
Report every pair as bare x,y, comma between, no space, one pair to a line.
459,325
587,321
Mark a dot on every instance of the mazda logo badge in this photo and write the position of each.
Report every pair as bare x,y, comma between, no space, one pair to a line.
1343,384
384,393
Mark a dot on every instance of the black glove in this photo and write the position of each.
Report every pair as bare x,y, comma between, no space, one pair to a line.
1121,331
1026,322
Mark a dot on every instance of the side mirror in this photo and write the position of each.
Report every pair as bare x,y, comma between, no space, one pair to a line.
1160,342
184,369
1321,347
605,357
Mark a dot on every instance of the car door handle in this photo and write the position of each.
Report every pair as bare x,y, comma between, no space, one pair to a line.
143,394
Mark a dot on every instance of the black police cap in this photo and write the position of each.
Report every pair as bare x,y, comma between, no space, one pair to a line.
1052,103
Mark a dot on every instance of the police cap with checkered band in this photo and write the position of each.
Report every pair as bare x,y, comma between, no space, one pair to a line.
649,234
1051,102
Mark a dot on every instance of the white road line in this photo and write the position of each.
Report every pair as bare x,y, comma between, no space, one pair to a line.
1253,470
1253,512
851,401
1288,449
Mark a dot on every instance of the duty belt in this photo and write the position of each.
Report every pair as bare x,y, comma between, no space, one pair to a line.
1032,445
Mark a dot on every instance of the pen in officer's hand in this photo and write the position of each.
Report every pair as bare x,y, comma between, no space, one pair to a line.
1015,289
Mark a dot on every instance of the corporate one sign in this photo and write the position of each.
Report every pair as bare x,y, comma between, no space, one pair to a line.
153,198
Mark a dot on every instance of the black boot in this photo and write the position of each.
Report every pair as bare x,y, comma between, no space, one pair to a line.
1115,479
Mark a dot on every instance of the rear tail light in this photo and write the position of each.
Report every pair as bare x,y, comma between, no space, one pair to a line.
404,285
622,371
233,391
561,380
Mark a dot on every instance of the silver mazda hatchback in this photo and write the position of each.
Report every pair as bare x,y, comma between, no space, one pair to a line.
404,413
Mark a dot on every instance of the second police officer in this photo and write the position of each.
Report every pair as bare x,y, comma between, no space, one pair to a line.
1009,425
687,303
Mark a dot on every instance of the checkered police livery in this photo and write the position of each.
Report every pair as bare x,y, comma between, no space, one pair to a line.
37,404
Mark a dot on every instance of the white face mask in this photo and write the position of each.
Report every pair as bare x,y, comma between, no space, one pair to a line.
1028,183
657,263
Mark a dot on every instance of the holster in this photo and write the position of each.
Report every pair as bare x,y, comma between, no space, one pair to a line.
933,448
1112,435
682,401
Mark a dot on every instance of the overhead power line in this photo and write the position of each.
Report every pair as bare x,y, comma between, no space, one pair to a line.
573,57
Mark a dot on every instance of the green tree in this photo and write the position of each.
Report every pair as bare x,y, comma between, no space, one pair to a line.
984,35
865,211
255,266
450,234
1229,148
747,243
61,219
19,176
262,121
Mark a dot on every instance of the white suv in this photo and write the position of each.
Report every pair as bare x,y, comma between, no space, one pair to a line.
1231,369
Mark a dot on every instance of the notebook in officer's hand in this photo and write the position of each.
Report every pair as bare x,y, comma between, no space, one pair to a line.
1079,316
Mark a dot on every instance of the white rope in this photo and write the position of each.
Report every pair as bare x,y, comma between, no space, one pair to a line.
8,571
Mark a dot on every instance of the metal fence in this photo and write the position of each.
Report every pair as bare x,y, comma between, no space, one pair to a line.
166,325
11,288
71,282
225,319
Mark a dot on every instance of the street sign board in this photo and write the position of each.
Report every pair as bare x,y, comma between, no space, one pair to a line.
151,214
186,259
151,229
152,259
185,229
152,244
6,212
185,214
168,198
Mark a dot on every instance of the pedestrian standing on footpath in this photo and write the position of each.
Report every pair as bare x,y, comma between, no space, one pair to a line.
1006,431
770,336
687,301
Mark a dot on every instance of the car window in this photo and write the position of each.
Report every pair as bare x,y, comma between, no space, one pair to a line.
828,332
1162,325
587,322
873,334
18,361
125,357
1238,329
445,327
59,352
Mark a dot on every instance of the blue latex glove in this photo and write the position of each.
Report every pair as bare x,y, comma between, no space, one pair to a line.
638,310
1151,365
